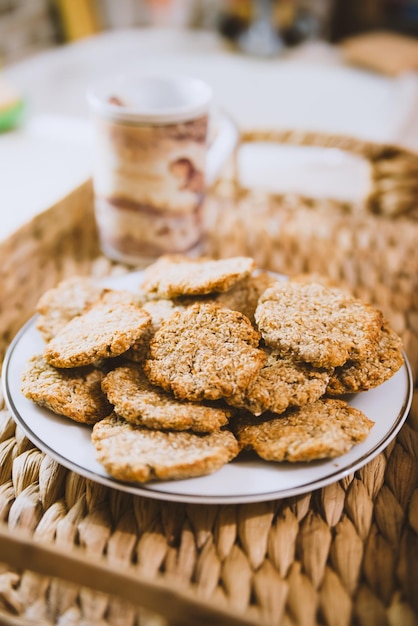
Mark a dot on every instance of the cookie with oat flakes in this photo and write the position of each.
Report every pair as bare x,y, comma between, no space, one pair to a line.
58,305
133,453
170,278
317,324
205,352
75,393
103,331
139,402
282,383
381,364
324,429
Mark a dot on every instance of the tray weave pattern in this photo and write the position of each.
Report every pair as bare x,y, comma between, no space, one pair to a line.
346,554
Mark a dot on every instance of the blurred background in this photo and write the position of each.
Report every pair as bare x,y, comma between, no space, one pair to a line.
30,26
317,65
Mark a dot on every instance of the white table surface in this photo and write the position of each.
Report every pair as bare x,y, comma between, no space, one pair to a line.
308,88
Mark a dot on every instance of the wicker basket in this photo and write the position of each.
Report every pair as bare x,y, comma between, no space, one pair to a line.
75,552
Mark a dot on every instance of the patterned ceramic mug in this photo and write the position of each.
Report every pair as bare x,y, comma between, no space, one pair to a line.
151,147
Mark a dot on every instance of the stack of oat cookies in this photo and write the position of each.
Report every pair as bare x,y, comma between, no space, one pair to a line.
206,358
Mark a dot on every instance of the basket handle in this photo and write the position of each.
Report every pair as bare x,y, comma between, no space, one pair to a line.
177,605
394,170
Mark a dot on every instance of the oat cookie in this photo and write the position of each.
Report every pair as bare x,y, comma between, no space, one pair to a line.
70,298
380,365
75,393
103,331
324,429
316,324
139,402
244,295
281,383
133,453
204,352
170,279
57,306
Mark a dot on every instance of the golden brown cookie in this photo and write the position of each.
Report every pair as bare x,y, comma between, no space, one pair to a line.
132,453
204,352
281,383
381,364
103,331
139,402
324,429
171,278
70,298
317,324
75,393
57,306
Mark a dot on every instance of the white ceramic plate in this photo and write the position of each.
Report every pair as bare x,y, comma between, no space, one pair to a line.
246,479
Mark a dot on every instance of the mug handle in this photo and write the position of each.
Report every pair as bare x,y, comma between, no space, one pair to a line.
222,146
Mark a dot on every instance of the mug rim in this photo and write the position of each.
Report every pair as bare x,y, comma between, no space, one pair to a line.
100,92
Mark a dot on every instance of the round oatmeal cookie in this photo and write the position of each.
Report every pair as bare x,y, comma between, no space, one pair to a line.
57,306
205,352
104,330
324,429
139,402
170,278
75,393
380,365
70,298
281,383
133,453
316,324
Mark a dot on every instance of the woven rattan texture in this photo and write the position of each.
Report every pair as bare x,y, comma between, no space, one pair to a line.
344,555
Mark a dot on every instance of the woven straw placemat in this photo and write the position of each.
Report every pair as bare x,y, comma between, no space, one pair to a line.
76,552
